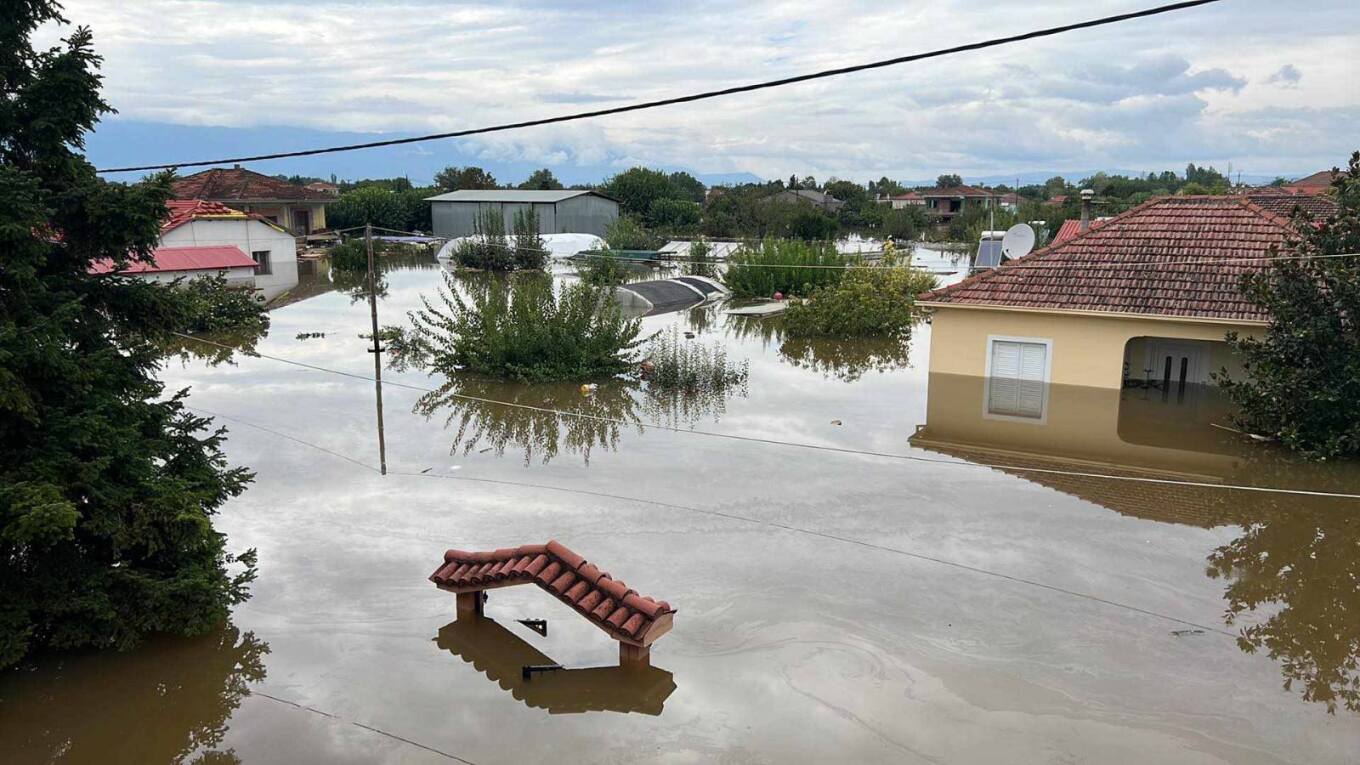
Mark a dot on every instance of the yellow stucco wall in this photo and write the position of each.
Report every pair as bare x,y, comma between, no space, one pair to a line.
1087,349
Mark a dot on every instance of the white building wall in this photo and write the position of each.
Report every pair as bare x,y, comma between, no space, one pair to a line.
250,236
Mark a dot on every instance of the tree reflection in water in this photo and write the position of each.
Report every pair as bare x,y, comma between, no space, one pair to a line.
1298,572
536,432
167,701
844,360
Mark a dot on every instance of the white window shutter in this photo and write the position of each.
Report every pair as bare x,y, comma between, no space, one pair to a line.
1016,385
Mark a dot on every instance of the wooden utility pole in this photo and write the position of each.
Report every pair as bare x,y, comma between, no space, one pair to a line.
376,350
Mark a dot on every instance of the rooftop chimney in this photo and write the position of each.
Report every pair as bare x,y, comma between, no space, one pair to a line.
1086,196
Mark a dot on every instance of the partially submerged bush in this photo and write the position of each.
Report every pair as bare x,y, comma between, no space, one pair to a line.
487,248
627,233
781,265
524,330
531,252
700,261
868,301
599,268
689,365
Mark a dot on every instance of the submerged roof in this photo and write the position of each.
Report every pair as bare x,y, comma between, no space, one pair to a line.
606,602
205,258
1176,256
512,195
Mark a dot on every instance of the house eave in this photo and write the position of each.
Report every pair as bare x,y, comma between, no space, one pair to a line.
1097,314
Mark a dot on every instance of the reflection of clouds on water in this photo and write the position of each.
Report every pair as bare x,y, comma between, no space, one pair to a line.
166,701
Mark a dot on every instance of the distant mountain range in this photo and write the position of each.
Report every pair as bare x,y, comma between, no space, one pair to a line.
119,143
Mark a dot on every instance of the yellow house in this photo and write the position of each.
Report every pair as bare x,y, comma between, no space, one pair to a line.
1145,298
299,209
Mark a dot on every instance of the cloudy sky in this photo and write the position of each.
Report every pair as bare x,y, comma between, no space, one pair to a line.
1270,87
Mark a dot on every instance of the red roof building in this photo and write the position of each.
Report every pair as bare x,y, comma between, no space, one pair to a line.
1155,288
946,202
1317,183
223,258
299,209
634,620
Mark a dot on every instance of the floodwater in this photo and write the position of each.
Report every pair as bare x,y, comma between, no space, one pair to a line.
997,599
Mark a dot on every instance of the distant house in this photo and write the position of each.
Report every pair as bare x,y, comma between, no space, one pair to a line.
1146,295
300,210
808,196
1058,200
273,250
909,199
1317,183
173,263
565,211
324,188
947,202
1010,202
1284,202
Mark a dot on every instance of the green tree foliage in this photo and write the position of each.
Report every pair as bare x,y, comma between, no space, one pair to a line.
868,301
687,187
674,216
381,206
525,330
949,181
1302,383
531,252
625,233
107,489
459,178
780,265
700,261
886,187
638,188
811,224
541,180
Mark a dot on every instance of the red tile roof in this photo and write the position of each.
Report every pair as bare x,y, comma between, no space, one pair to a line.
206,258
1070,229
956,191
1283,202
605,601
239,184
185,210
1322,179
1157,259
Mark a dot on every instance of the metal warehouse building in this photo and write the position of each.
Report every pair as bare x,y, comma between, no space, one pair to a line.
559,212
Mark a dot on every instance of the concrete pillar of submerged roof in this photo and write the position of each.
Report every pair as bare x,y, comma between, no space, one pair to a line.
470,603
634,656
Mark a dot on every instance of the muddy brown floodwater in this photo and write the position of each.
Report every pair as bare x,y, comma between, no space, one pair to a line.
832,607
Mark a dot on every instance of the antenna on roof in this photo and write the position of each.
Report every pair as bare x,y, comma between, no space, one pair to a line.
1018,241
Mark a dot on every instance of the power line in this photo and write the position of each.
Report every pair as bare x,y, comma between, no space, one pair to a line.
370,728
793,444
761,522
981,45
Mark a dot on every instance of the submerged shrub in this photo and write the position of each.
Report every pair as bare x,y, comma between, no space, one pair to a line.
868,301
599,268
531,252
490,249
524,330
700,260
782,265
627,233
688,365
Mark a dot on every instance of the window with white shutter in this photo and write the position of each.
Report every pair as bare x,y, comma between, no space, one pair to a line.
1017,375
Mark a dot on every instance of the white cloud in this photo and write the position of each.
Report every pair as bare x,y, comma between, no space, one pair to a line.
1198,85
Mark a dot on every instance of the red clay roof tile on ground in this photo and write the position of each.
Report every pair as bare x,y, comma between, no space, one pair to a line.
1136,263
607,602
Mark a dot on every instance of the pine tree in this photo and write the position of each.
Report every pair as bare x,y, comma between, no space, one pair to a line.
107,487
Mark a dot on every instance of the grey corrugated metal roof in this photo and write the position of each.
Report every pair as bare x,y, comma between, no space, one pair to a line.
510,195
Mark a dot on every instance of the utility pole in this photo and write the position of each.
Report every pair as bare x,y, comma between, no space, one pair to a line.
376,350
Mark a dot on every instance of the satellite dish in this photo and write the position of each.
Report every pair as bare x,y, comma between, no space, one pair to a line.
1018,241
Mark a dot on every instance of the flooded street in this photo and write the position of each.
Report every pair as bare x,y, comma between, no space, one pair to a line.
1007,594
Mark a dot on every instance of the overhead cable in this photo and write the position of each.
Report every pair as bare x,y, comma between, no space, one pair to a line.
836,72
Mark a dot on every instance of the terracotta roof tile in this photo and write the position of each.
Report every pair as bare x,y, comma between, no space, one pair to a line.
1283,203
607,602
1115,266
240,184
